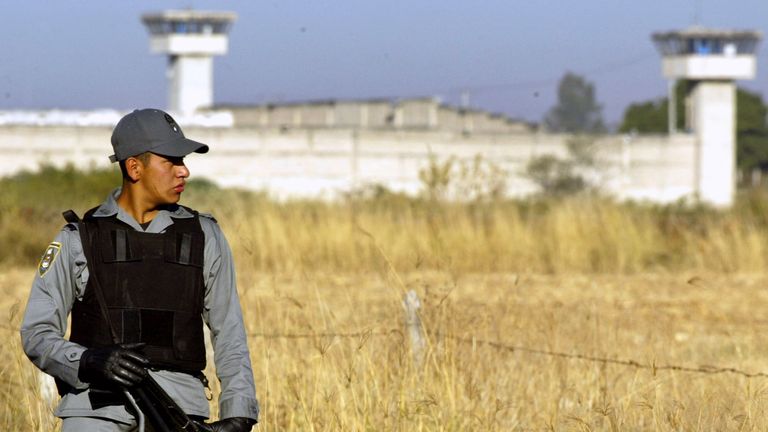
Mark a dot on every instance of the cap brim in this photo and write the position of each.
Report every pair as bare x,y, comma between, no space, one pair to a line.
179,148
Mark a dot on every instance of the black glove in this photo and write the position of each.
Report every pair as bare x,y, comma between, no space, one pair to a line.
232,424
118,364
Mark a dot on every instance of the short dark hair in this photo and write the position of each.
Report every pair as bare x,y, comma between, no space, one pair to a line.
143,158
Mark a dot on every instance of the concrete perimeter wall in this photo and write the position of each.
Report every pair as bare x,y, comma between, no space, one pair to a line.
326,162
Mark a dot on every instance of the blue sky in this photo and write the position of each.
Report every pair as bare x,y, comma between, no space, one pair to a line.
509,54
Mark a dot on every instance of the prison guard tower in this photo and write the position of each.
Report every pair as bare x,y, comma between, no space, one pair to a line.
710,60
190,38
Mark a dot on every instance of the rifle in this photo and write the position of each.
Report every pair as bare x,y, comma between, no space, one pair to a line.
151,402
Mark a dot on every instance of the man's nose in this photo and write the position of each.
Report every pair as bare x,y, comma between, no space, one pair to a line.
183,171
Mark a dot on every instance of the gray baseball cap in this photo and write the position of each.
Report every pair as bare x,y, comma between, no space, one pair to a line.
151,130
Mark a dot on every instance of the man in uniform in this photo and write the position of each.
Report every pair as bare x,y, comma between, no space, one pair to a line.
158,270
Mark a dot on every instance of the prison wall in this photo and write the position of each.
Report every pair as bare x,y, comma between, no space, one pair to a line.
325,163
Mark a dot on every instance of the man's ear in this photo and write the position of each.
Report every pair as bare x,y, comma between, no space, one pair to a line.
134,168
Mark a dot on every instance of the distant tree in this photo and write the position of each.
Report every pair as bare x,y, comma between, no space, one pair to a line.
751,126
751,131
554,176
651,116
557,177
577,110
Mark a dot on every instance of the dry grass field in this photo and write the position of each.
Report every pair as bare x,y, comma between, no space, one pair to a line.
580,315
330,352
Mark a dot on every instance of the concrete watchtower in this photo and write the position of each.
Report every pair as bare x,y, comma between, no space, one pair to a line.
190,38
710,60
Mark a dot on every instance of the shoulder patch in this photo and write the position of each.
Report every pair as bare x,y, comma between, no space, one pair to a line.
46,261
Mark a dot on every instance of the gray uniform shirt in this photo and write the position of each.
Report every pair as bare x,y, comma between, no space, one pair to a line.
61,281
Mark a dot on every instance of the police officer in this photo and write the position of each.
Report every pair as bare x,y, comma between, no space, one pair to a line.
158,270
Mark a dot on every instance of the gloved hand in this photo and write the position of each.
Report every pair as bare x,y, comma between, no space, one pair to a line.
117,364
232,424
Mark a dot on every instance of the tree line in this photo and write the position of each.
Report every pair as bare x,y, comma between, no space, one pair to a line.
578,111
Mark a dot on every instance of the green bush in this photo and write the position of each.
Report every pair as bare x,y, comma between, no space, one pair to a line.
31,204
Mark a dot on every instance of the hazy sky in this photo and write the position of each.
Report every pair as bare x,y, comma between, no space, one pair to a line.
509,54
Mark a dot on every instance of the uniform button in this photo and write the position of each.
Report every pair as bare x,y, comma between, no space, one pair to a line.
72,355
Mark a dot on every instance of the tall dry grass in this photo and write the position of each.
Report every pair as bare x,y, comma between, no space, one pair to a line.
330,352
583,234
322,285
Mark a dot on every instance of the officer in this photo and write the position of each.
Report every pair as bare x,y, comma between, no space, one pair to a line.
158,270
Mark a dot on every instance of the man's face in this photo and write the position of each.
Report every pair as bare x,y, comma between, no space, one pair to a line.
163,179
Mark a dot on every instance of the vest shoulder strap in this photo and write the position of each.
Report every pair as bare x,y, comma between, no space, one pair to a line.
71,217
88,216
209,217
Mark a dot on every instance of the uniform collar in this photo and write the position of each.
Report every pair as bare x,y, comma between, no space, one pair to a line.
162,220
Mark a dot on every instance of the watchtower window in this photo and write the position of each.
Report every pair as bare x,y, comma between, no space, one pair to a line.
186,27
702,46
199,27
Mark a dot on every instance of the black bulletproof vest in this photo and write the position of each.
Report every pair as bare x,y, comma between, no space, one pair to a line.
153,288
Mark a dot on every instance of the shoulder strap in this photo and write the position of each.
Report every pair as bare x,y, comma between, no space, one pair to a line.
82,227
71,217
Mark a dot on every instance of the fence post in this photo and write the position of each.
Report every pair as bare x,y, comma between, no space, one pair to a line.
412,304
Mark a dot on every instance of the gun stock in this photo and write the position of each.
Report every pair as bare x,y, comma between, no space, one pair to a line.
160,410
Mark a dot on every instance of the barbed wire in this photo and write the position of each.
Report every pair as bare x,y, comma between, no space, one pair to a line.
704,369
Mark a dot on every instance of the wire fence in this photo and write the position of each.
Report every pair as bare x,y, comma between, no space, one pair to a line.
703,369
